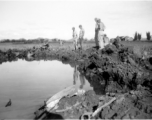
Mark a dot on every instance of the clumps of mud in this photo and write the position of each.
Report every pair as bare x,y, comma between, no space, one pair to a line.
130,105
117,67
115,72
45,52
10,55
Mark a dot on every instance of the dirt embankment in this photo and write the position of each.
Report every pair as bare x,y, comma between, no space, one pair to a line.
131,105
116,72
45,52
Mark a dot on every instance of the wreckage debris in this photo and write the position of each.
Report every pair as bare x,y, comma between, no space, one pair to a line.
118,106
9,103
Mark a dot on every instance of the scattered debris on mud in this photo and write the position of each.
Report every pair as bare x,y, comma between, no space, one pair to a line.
131,105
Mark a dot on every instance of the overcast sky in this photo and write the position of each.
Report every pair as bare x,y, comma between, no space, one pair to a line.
55,19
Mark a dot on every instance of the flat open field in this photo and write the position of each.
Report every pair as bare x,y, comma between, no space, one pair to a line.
138,44
6,46
133,44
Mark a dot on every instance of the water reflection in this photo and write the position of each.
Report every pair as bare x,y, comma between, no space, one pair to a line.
95,81
28,84
98,86
78,76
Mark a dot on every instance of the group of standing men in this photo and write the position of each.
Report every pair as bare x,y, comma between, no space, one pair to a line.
99,35
101,40
77,41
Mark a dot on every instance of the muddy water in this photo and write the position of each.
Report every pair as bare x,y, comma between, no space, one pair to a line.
28,84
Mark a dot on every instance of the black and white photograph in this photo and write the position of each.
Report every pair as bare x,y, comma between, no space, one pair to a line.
75,59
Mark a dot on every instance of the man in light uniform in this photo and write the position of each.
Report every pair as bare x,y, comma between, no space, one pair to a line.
81,35
75,38
101,28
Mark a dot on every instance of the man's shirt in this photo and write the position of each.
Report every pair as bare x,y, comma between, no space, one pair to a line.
81,34
101,26
75,34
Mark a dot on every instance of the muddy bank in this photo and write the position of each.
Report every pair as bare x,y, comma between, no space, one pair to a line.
40,53
131,105
118,68
114,72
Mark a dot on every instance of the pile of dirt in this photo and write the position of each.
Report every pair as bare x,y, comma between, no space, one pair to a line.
117,67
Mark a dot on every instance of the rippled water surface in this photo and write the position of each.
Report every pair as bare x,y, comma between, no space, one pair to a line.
28,84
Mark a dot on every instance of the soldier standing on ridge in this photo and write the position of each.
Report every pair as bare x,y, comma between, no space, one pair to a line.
75,38
96,33
81,35
101,28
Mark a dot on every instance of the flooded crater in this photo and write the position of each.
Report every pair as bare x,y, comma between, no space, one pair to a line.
28,83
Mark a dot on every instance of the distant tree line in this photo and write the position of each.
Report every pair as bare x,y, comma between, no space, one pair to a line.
27,41
138,36
38,40
148,35
22,40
